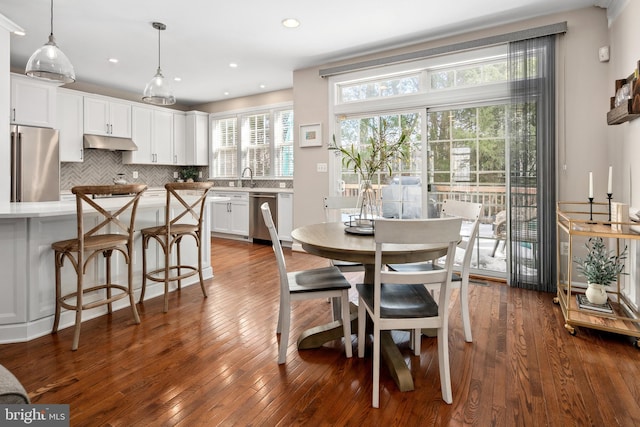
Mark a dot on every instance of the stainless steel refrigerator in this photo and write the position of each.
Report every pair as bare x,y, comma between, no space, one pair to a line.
35,164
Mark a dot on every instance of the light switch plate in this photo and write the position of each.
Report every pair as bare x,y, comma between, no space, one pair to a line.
283,185
321,167
175,174
603,54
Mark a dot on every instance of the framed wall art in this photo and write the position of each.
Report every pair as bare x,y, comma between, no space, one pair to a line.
311,135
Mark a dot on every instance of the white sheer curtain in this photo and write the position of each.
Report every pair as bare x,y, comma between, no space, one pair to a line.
531,186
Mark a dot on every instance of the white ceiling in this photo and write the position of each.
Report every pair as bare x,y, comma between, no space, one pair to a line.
204,36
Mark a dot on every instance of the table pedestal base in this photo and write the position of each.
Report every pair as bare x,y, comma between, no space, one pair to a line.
318,335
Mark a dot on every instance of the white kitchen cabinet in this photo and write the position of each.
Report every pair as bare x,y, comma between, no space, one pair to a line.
141,124
13,304
152,132
197,138
33,102
231,217
179,141
162,137
70,124
107,117
285,216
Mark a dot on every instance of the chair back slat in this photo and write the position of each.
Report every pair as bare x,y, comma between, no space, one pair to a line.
110,214
414,234
277,248
185,200
468,211
334,205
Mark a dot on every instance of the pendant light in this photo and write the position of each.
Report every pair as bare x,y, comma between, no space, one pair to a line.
49,62
158,91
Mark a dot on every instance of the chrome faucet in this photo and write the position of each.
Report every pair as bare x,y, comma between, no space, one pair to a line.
251,183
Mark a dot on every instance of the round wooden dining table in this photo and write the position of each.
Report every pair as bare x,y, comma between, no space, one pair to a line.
330,240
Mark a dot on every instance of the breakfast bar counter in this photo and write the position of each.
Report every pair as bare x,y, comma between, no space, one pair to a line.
27,262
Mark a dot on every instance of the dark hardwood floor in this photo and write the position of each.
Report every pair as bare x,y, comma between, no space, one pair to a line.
213,362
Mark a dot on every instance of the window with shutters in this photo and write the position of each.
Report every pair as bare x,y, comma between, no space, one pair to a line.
225,147
259,139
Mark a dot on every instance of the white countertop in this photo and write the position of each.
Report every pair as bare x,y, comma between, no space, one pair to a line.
45,209
253,190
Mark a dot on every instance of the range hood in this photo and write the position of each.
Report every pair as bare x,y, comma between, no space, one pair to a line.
109,143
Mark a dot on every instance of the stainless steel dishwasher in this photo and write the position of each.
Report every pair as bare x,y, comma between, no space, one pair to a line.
257,228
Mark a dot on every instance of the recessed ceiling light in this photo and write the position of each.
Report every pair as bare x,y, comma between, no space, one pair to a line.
113,60
233,65
262,86
290,23
226,93
19,33
177,79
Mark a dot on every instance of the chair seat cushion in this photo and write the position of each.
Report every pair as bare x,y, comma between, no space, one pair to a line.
340,263
422,266
401,301
318,279
92,243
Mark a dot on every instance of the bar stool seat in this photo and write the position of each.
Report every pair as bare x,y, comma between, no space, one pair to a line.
111,234
184,212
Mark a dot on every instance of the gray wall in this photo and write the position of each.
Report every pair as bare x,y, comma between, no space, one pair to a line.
584,86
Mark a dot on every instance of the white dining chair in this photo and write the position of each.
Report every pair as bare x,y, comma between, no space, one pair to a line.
334,207
400,300
469,212
318,283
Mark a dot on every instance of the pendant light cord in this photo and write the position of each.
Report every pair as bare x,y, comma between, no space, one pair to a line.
159,48
51,17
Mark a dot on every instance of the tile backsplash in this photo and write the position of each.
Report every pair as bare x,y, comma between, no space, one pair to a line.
101,166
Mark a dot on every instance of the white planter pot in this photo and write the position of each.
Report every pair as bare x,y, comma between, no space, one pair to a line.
596,293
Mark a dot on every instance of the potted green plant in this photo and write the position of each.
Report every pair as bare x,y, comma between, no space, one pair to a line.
385,146
600,267
189,173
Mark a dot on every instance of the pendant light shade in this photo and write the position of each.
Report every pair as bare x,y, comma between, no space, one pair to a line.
49,62
158,91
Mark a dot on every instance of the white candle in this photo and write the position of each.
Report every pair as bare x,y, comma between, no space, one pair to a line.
591,185
610,181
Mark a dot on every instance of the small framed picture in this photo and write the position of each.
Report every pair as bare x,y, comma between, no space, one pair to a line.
311,135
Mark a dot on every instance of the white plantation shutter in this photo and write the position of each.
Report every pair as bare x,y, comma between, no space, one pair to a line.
283,143
225,147
255,144
261,140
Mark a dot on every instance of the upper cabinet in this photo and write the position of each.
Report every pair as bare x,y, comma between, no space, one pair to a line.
107,117
197,138
152,132
33,102
69,123
179,133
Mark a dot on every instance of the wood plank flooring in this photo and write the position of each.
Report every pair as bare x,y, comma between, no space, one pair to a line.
213,361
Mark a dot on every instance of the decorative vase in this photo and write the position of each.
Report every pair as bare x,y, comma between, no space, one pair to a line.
368,203
596,293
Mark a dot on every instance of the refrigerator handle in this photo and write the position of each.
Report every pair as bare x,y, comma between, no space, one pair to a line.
16,170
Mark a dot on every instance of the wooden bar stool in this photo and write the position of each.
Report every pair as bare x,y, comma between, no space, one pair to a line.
183,217
110,234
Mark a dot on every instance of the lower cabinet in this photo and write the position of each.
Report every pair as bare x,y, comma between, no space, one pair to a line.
13,306
232,216
27,304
